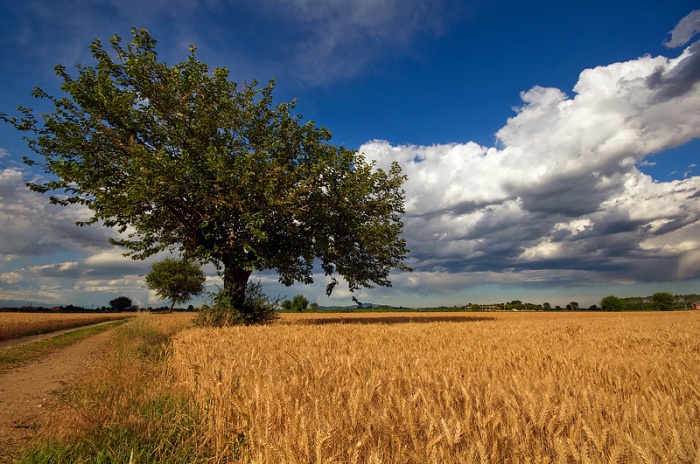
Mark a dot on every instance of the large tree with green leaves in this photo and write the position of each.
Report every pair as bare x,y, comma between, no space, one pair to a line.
120,303
663,301
177,280
182,158
612,303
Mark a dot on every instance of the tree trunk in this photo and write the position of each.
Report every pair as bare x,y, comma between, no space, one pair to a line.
235,281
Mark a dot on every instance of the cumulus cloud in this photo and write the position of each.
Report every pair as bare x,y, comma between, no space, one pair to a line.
678,77
562,189
34,230
33,227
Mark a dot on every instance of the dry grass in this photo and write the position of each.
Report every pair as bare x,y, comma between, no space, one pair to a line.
517,387
13,325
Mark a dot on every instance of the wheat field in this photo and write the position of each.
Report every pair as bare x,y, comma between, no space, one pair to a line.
419,388
13,325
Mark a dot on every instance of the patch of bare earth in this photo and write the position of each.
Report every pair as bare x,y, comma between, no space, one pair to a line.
29,393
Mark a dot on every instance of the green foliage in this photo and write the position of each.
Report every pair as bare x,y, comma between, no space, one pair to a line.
611,303
636,303
257,308
299,303
117,442
177,280
520,306
663,301
180,157
121,303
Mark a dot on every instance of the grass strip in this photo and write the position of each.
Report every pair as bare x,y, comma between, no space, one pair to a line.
19,355
127,410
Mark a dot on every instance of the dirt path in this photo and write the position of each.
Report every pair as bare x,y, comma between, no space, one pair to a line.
27,393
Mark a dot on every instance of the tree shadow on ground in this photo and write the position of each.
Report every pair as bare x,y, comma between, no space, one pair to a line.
389,319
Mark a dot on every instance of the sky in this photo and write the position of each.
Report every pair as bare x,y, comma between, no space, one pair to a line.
551,147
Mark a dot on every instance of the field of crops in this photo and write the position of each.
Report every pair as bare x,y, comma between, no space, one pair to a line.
13,325
491,387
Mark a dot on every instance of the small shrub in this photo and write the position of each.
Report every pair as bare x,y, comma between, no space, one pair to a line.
257,309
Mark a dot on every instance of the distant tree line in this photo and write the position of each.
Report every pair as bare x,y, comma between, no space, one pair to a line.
660,301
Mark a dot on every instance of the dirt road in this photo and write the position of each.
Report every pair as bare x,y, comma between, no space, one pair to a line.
28,393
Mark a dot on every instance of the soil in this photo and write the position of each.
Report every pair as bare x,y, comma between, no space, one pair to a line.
29,393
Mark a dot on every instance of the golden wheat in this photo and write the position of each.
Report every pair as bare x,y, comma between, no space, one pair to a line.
522,387
13,325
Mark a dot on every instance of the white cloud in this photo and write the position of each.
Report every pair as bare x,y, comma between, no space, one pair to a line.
684,30
33,227
10,277
562,190
33,230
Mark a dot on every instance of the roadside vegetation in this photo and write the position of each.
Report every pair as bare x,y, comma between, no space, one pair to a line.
127,410
409,387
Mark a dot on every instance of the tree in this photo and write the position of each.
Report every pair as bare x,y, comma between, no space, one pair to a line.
611,303
546,306
299,303
181,158
663,301
177,280
121,303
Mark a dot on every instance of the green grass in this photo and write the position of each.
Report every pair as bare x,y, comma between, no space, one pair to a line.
19,355
126,412
157,437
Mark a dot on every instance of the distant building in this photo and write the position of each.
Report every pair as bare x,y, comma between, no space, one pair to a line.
486,307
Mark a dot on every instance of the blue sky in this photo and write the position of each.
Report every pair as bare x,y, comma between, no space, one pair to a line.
551,147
